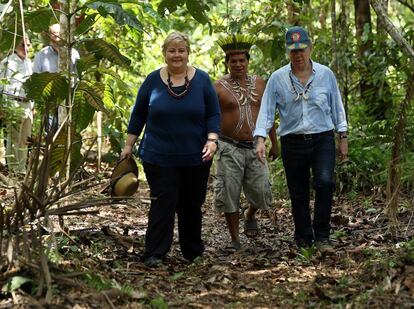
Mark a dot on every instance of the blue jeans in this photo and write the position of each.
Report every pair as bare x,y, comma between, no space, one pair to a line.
302,154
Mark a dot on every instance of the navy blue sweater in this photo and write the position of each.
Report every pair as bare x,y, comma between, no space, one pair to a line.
175,129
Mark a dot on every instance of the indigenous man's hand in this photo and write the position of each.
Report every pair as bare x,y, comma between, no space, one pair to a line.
260,150
273,152
342,149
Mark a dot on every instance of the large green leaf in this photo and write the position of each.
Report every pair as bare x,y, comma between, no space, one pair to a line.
197,9
82,112
57,153
170,5
86,63
86,24
38,20
116,77
115,10
103,49
46,86
93,94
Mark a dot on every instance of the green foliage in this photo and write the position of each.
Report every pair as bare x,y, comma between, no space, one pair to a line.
15,283
46,87
39,20
159,303
115,10
102,49
86,24
93,94
97,282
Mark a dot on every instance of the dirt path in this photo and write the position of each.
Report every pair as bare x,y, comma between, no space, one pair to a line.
366,271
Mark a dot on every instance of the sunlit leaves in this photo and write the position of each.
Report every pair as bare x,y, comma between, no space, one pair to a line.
46,86
103,49
115,10
86,24
57,153
93,94
15,283
82,112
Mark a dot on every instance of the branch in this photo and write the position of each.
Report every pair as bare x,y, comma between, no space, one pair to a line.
391,29
409,4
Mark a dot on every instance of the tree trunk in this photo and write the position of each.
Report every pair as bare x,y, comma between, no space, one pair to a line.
334,38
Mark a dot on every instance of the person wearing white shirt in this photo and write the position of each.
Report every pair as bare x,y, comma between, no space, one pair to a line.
16,68
47,60
306,96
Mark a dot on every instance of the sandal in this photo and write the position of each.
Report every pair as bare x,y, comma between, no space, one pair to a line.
232,247
250,227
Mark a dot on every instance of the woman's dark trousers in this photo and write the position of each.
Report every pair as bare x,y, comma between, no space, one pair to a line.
180,190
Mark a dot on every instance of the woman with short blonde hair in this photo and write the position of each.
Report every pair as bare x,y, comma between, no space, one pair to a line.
179,108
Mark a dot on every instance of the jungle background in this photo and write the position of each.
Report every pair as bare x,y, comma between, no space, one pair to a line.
65,243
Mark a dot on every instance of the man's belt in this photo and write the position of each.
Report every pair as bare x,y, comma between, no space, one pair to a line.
238,144
306,137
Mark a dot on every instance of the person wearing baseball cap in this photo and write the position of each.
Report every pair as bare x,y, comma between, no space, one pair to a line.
307,98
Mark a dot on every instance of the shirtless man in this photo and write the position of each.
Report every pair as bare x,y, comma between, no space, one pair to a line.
237,167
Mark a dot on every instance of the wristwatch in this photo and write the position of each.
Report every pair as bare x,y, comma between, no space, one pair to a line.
343,136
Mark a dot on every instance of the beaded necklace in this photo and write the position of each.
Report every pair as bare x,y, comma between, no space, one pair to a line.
304,94
170,85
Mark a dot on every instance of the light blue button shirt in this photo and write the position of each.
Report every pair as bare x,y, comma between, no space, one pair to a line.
313,108
47,60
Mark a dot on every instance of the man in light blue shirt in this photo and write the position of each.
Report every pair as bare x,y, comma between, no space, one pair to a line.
47,60
306,96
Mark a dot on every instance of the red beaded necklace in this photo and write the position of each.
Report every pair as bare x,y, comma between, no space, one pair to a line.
170,85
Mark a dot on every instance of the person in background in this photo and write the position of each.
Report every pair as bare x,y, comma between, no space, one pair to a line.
240,96
47,60
310,108
179,108
16,68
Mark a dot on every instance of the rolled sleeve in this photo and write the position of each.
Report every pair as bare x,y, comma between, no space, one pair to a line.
266,116
337,107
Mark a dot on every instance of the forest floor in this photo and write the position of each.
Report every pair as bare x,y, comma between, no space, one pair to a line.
99,265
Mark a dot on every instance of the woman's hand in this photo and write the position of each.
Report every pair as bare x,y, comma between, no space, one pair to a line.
126,152
209,150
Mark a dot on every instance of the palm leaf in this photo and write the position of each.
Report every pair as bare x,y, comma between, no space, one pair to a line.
115,10
103,49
